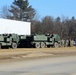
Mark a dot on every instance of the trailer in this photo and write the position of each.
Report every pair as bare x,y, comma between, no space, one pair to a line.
17,27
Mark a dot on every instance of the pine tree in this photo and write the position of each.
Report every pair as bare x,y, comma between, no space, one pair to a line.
21,10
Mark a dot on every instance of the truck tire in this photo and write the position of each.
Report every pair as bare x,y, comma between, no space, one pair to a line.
43,45
14,45
37,45
56,45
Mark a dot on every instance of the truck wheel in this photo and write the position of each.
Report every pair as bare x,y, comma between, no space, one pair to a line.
43,45
14,45
56,45
37,45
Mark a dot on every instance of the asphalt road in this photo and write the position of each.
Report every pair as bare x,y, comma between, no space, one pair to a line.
46,66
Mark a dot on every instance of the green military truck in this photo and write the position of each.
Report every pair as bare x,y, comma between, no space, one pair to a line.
42,41
37,41
9,40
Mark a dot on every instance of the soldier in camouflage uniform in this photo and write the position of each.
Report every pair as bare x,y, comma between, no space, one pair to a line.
71,43
63,43
67,43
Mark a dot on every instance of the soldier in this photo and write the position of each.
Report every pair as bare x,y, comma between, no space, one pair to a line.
71,43
67,43
74,42
62,43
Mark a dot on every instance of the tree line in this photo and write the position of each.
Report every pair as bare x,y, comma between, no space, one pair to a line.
21,10
66,28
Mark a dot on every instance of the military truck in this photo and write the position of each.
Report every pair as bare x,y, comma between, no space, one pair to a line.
42,41
9,40
37,41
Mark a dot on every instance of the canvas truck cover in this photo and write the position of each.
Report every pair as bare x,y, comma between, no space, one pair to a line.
17,27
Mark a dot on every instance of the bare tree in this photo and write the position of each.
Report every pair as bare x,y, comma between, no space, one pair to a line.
5,12
47,24
57,26
36,27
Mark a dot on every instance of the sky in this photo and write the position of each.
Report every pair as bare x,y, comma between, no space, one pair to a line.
53,8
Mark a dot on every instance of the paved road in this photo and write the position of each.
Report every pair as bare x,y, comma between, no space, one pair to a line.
47,66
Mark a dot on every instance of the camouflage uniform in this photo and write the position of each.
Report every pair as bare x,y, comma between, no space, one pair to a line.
67,43
62,43
71,43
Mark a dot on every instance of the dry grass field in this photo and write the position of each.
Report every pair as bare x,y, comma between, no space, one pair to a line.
26,53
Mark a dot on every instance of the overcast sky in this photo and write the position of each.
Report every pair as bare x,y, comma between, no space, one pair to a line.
53,8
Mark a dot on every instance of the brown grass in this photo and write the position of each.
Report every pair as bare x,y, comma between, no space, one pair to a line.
33,52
